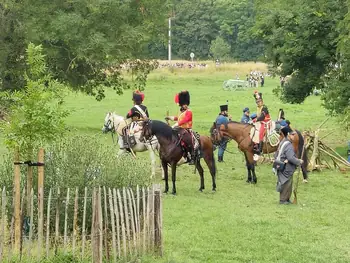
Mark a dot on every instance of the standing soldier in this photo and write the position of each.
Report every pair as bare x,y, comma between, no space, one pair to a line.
137,113
223,118
263,117
184,120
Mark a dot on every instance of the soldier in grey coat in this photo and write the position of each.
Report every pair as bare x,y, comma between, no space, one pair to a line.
288,157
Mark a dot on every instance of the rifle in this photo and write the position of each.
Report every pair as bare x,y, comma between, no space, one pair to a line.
167,114
295,201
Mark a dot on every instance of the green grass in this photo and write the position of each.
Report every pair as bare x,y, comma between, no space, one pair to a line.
240,222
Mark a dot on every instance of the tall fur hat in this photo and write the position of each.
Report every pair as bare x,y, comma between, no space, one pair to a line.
183,98
257,95
224,108
138,96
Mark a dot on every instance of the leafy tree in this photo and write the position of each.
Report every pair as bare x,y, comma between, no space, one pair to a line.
194,28
236,20
220,49
36,114
301,38
84,39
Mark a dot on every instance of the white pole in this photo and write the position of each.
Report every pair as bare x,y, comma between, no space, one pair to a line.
169,41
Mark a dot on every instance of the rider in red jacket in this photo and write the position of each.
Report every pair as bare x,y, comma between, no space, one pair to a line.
263,117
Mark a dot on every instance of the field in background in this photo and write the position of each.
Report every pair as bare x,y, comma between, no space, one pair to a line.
240,222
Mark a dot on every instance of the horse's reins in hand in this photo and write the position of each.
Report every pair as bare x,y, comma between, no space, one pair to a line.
295,201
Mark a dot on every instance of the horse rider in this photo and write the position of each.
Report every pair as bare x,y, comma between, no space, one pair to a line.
184,120
138,112
263,117
223,118
245,118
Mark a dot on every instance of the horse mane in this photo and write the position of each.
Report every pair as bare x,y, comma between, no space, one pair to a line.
162,129
236,122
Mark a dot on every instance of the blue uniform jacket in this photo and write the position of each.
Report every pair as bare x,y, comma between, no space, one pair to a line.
245,119
221,119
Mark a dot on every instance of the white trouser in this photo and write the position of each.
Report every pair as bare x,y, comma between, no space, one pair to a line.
121,142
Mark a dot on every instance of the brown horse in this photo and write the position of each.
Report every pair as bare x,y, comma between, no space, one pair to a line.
240,132
171,151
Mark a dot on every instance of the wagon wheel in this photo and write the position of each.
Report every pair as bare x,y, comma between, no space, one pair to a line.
226,86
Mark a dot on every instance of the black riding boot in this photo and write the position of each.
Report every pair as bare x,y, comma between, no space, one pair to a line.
261,147
191,157
220,159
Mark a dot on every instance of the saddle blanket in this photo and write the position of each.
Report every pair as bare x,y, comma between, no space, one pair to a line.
254,132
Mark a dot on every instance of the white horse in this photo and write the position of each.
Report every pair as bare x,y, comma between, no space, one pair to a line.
112,122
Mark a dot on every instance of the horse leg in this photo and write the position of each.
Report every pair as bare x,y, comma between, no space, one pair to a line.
255,179
173,177
210,161
153,162
249,179
201,174
165,169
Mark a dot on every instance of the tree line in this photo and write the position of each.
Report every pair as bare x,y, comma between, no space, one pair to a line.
87,42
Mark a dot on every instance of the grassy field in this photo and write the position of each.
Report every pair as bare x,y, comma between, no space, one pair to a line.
240,222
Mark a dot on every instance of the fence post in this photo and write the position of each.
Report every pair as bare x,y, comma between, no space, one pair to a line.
48,224
65,238
29,189
41,169
40,200
84,223
75,219
97,228
158,238
3,218
17,202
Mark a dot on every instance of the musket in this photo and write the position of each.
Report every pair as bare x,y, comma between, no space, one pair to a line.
295,201
167,114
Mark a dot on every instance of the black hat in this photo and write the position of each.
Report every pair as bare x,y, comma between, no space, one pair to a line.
184,98
224,108
285,130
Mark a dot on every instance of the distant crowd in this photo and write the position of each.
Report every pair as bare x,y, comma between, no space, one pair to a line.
183,65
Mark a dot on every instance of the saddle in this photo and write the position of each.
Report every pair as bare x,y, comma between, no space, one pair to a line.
128,134
270,134
195,140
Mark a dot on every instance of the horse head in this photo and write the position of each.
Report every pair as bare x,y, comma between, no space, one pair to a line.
111,122
146,133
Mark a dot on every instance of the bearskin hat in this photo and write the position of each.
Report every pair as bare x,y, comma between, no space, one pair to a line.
224,108
257,95
183,98
138,96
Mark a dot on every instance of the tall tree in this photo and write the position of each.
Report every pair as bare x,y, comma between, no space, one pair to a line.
84,38
301,39
194,28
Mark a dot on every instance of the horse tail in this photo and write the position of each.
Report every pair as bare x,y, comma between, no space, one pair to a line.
301,150
213,167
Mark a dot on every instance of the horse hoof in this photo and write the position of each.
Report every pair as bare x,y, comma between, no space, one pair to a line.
173,193
254,182
165,192
200,190
214,190
248,181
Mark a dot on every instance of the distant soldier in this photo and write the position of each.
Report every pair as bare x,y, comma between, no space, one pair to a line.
263,117
223,118
245,118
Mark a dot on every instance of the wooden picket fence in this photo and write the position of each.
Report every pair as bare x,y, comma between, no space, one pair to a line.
99,224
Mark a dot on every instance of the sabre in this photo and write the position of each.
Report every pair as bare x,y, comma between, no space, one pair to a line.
295,201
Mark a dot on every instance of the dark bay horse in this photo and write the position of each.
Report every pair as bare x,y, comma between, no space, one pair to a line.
240,132
171,152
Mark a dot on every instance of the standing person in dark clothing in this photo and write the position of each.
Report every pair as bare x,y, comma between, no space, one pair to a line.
223,118
285,165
